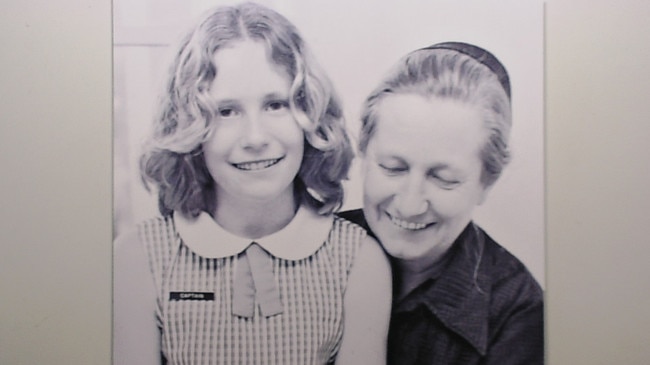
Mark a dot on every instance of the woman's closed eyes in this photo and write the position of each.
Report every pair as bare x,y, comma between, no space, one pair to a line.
439,177
393,169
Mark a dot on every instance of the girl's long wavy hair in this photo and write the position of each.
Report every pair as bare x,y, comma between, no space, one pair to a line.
450,74
173,159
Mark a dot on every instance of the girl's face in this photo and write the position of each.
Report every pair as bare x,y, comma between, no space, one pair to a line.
255,148
422,172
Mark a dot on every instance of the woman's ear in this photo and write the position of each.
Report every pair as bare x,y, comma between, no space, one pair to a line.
363,163
484,194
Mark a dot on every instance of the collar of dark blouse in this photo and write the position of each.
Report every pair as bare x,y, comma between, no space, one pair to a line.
457,294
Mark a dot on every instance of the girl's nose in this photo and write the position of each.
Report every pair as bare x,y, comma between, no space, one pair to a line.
254,136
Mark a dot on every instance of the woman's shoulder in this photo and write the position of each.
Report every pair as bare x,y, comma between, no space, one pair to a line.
515,305
506,272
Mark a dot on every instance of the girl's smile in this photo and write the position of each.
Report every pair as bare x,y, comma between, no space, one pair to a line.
255,146
257,165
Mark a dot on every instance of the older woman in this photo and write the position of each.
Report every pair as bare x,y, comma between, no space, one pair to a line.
434,141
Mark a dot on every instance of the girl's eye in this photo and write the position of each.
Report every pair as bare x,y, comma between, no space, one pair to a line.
227,112
277,105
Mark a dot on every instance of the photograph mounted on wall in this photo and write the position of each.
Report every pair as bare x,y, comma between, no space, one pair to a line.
328,182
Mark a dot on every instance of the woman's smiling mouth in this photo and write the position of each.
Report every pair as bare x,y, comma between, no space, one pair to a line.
256,165
411,226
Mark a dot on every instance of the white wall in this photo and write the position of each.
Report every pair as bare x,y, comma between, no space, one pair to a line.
55,190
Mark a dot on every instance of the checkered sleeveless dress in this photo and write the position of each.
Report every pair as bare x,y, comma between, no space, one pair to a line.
205,331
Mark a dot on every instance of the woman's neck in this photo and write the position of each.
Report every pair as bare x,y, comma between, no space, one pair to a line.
410,273
253,218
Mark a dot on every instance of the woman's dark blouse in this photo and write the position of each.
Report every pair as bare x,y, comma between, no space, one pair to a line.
484,307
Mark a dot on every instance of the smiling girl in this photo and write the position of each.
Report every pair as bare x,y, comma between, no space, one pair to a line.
247,264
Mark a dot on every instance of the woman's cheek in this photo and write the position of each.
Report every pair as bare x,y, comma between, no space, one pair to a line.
378,186
452,203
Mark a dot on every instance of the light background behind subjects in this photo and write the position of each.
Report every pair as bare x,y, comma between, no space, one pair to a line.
356,42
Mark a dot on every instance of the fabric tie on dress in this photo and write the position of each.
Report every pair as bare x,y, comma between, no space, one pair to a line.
254,282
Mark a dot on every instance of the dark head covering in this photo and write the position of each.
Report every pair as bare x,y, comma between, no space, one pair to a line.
482,56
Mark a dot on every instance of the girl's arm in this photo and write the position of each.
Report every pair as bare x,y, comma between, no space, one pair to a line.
136,338
368,301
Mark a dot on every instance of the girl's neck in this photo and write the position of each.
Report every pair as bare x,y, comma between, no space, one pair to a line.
253,218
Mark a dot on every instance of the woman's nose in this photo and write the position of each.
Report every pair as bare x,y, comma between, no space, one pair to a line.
254,136
410,200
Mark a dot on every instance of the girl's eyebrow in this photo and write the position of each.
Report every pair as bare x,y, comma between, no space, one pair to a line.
276,95
267,97
226,101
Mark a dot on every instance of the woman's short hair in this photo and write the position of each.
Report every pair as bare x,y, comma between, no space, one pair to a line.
173,158
456,71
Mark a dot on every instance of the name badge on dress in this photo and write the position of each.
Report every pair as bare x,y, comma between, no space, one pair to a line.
190,295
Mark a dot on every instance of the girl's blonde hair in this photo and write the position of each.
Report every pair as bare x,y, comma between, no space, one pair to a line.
173,158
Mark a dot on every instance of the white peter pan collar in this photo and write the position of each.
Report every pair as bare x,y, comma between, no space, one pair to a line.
302,237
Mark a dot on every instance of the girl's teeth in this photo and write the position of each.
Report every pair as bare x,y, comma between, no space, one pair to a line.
257,165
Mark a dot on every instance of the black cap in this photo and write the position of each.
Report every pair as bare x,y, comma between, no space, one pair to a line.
482,56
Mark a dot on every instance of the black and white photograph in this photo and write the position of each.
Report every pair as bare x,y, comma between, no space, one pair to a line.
324,182
349,182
